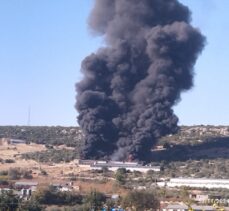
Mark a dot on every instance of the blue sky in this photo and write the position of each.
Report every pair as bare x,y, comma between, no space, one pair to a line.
42,43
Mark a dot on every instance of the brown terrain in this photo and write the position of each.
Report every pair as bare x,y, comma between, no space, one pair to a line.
56,173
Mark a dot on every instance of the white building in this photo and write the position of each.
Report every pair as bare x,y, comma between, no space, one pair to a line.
17,141
196,182
115,165
142,169
181,207
24,184
199,197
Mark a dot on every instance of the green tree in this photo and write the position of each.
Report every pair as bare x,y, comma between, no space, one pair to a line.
184,194
95,200
140,201
14,173
8,201
120,176
51,195
32,205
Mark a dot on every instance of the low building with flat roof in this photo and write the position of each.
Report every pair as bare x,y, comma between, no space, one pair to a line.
17,141
196,182
115,165
23,184
183,207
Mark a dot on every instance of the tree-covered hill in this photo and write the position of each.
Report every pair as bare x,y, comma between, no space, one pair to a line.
71,136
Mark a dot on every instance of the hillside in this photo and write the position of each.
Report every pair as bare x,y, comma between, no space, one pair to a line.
70,136
196,151
73,135
191,142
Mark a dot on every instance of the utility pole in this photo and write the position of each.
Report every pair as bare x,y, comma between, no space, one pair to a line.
29,116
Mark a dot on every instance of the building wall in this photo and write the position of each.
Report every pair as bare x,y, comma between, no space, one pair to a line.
143,170
201,183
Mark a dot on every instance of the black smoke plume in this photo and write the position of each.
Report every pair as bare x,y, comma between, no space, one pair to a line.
129,87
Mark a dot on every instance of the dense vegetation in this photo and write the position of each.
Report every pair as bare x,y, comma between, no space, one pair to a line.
195,134
138,200
14,174
195,151
71,136
53,155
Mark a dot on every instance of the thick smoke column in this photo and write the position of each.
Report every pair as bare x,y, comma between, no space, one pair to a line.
129,87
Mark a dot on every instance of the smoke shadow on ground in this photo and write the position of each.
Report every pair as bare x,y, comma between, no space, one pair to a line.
211,148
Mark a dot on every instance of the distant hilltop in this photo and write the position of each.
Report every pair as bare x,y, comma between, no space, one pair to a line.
196,134
205,130
73,136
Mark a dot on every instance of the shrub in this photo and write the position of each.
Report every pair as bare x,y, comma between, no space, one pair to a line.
27,175
14,173
4,182
51,196
3,173
9,161
140,200
43,172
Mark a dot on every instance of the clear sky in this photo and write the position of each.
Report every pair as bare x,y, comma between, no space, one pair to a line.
42,43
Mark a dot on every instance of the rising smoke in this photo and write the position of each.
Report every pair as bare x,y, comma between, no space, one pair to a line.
129,87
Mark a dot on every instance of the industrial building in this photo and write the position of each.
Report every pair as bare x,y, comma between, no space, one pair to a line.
115,165
8,141
17,141
196,182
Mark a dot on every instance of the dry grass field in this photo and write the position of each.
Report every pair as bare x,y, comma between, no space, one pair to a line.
56,173
14,152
